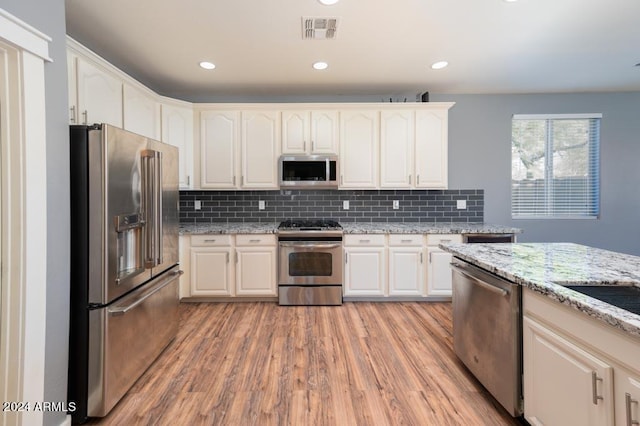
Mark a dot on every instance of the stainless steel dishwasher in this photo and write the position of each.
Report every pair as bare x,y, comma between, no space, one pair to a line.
487,331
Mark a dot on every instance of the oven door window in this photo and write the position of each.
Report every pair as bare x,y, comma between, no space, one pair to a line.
310,264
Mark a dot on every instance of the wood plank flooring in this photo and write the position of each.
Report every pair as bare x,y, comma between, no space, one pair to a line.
355,364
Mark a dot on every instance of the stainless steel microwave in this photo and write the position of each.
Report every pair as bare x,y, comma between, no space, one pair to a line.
308,171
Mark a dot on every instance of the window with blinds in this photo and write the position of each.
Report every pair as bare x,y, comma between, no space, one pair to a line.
555,166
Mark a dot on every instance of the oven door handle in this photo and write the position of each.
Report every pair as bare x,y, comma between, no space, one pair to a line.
309,244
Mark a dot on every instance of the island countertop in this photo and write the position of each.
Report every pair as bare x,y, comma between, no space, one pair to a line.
539,266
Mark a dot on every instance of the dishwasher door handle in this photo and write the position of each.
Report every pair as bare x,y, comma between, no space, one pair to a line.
477,280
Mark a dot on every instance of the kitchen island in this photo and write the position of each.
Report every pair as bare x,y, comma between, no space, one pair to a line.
545,267
580,355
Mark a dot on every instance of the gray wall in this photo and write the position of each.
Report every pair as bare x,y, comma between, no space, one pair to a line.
480,157
48,17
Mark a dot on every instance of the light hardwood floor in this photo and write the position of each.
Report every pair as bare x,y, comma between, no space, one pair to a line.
355,364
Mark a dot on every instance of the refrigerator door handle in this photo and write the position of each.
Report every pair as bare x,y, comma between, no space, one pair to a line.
159,209
152,206
121,310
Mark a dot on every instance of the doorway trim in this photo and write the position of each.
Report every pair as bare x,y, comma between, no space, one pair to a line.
23,221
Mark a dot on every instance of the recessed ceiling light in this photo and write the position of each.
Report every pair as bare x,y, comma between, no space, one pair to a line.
207,65
320,65
328,2
439,65
510,1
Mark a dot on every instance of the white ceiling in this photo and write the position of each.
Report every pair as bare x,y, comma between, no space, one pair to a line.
383,47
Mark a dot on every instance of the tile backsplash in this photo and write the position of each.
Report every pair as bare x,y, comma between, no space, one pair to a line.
364,205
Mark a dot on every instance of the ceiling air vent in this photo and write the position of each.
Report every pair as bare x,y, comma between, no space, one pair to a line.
318,28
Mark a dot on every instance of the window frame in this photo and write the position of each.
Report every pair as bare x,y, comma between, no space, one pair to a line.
594,142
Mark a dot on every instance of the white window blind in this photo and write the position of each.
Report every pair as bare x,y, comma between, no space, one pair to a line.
555,166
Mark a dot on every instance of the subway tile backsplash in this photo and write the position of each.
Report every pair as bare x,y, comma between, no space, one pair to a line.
364,205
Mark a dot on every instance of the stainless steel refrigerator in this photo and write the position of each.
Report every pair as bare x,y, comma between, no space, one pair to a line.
124,262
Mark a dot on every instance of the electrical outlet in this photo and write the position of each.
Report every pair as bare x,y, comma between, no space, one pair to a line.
260,204
345,205
197,205
461,204
396,204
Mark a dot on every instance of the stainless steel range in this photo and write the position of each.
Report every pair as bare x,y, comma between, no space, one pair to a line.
310,262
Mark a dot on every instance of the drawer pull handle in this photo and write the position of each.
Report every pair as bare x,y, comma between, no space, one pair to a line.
445,241
594,387
254,241
627,402
209,241
365,241
405,241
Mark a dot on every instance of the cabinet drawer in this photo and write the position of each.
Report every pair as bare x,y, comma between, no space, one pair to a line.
364,240
255,240
405,240
435,239
210,240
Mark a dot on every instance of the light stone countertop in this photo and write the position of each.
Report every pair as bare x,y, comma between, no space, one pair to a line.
229,228
539,266
352,228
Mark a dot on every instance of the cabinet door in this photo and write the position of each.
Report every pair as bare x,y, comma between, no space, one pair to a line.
397,135
184,242
627,394
438,272
360,141
431,158
324,132
563,383
219,144
295,132
177,130
260,142
406,271
99,95
211,272
365,271
141,113
256,271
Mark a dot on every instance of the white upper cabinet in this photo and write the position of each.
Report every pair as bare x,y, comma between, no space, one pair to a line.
177,130
260,138
431,150
141,112
359,147
309,132
296,133
219,146
397,134
99,95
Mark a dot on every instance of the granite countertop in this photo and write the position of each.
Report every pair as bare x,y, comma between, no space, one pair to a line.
352,228
426,228
539,266
229,228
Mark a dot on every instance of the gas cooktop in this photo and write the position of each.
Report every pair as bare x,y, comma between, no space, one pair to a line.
309,225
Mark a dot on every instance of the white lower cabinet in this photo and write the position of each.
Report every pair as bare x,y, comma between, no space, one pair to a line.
438,260
256,265
577,370
227,265
627,397
564,384
406,265
365,267
211,270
